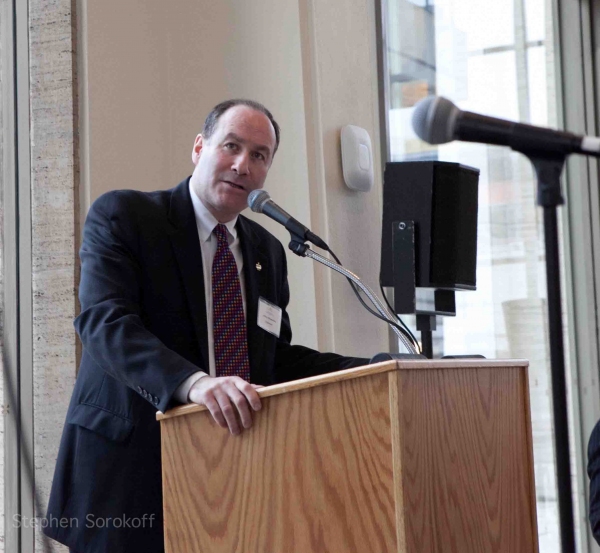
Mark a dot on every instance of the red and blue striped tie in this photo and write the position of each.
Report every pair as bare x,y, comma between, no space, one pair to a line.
229,323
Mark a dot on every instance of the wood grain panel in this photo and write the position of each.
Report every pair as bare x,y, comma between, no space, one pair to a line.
466,460
314,474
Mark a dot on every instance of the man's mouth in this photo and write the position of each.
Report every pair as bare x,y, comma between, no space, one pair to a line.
233,185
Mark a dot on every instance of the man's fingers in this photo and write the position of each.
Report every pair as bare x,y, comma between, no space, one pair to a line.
228,412
215,410
241,403
228,399
250,392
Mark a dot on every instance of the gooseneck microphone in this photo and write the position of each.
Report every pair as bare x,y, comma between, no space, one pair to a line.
259,201
437,120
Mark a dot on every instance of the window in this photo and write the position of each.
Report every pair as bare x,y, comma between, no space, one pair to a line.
494,57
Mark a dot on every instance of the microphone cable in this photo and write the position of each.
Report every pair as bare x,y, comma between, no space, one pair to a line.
400,327
415,342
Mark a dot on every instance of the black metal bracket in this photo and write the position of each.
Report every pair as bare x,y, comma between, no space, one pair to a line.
297,245
405,280
404,268
548,171
426,324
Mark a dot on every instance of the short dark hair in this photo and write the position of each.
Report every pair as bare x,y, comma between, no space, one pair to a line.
220,109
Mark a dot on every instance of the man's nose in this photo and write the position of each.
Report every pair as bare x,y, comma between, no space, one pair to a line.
241,163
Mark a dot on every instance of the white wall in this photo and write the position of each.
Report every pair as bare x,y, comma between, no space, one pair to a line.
153,69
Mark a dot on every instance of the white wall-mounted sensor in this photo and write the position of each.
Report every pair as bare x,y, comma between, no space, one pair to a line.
357,158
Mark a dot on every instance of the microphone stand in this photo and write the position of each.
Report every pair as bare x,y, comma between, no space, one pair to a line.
301,249
549,196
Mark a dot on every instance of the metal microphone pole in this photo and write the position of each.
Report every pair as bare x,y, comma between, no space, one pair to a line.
549,196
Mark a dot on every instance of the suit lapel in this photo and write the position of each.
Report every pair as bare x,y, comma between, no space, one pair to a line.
256,269
186,247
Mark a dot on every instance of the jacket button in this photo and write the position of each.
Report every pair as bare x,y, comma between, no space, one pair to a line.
145,393
156,401
140,389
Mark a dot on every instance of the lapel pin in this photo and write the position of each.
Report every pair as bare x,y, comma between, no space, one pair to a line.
258,267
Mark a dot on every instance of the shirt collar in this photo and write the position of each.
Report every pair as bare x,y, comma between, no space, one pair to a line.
206,221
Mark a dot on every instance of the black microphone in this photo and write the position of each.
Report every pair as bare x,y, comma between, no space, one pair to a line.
259,201
437,120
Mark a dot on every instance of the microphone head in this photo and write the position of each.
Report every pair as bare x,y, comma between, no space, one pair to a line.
257,199
434,120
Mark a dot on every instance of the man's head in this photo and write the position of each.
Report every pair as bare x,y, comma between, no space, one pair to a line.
233,156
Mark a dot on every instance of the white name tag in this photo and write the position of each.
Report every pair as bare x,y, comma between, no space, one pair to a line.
269,316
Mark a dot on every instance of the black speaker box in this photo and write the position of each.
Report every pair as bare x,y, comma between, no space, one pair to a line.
441,198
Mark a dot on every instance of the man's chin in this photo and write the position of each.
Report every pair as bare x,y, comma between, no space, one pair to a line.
226,211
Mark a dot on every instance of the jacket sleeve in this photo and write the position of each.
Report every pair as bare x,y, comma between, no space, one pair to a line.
110,325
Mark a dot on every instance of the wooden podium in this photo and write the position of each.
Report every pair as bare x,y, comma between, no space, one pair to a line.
411,456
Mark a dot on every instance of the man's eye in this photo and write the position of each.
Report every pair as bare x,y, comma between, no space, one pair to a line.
231,145
258,155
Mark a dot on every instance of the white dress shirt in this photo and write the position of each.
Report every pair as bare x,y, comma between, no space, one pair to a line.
206,222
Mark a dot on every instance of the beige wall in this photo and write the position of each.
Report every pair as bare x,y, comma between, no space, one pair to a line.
151,70
340,61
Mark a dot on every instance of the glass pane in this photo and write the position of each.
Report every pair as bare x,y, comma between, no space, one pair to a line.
535,11
491,57
485,24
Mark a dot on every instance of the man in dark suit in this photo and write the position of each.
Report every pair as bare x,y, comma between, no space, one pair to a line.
594,474
170,281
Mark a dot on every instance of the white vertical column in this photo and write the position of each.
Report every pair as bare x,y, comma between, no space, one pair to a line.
54,229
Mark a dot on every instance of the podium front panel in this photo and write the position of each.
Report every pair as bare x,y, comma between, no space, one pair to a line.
406,457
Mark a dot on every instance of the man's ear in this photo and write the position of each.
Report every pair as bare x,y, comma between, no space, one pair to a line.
197,149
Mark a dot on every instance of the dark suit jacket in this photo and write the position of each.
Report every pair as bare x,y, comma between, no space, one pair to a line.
143,330
594,474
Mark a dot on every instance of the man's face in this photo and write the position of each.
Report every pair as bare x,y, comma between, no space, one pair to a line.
233,161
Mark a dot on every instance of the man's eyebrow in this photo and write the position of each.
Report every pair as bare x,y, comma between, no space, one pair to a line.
259,147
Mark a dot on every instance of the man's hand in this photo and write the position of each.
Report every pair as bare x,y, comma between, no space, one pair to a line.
229,399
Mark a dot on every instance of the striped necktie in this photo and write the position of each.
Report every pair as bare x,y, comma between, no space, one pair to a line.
229,323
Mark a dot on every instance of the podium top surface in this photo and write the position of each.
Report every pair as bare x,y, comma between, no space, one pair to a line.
348,374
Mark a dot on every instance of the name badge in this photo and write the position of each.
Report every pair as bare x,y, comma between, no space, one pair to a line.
269,316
